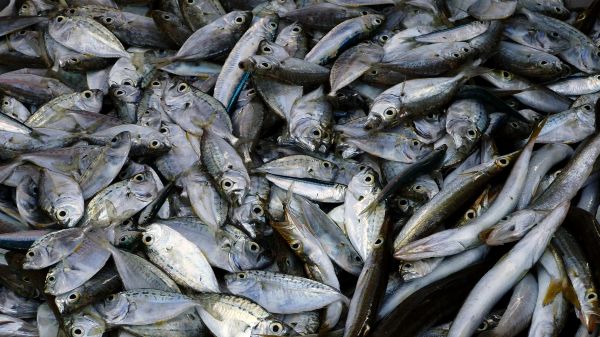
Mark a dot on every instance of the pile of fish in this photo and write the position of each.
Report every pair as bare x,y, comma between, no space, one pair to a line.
229,168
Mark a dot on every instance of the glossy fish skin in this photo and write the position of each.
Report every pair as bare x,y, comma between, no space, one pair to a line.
291,70
506,273
206,201
332,44
324,16
226,167
363,229
180,258
529,62
61,198
333,239
310,120
51,114
32,88
301,166
579,274
102,284
294,40
15,109
17,306
52,247
321,192
198,13
275,292
77,268
74,32
216,38
353,63
228,315
370,287
120,201
227,248
142,307
247,45
172,26
580,85
570,126
432,213
247,121
126,99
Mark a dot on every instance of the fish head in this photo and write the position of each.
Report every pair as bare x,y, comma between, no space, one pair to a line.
177,95
249,254
114,308
85,324
260,64
90,100
309,133
237,21
385,112
512,227
272,327
67,300
68,214
251,211
235,186
364,182
143,186
242,283
37,257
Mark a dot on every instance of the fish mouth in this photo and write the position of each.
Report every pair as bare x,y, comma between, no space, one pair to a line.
247,64
373,122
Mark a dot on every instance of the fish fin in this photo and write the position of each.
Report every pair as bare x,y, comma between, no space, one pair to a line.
537,130
555,288
8,169
163,61
570,294
472,70
484,234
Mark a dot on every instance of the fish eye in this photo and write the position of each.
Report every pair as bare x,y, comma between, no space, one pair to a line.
239,19
155,83
27,280
74,60
139,177
471,132
147,239
154,144
119,93
408,265
471,214
265,65
415,142
71,11
61,214
374,72
51,278
587,107
544,62
384,38
22,32
369,178
182,87
164,130
554,34
456,55
316,133
241,276
166,17
114,139
31,253
276,327
418,187
465,49
598,53
76,332
87,94
357,258
514,125
257,210
108,20
296,29
390,112
591,296
364,13
273,25
505,74
190,1
254,247
58,18
377,21
267,49
227,184
361,198
111,297
502,162
127,82
378,242
73,296
6,102
295,245
483,326
403,202
326,164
